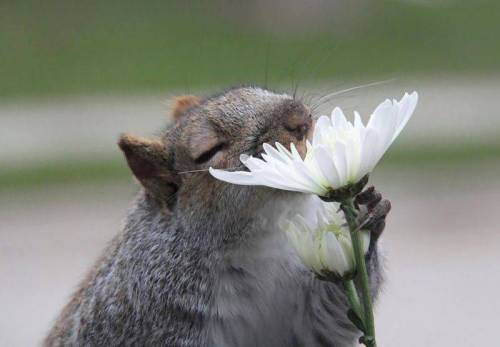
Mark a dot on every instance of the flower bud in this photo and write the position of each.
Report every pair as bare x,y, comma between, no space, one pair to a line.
324,244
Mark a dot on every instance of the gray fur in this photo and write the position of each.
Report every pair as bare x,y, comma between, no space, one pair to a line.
213,269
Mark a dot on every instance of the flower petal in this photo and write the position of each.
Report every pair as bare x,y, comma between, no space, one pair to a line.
369,152
338,118
323,122
340,161
333,257
326,165
407,107
238,177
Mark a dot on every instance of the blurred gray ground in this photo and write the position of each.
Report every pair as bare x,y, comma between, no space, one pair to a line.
451,109
441,244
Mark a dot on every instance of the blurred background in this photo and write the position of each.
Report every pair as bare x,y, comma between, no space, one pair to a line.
73,75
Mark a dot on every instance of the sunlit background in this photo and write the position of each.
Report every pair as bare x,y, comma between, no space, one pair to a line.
74,74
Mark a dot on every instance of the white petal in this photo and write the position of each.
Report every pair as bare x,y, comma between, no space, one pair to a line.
306,177
307,248
369,152
253,163
322,123
285,153
338,118
332,255
340,161
326,165
346,244
244,157
309,146
377,116
295,152
295,175
407,106
353,157
272,152
358,123
238,177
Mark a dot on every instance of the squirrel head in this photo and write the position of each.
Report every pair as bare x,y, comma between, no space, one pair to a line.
214,132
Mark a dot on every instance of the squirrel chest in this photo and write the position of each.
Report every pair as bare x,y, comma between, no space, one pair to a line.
256,297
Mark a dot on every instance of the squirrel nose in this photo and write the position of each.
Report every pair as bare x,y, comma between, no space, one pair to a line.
298,125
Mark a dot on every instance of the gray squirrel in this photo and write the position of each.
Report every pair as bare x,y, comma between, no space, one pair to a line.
200,262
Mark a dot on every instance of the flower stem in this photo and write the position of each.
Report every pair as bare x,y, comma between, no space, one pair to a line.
350,214
352,296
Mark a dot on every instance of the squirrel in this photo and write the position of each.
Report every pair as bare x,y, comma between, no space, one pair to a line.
200,262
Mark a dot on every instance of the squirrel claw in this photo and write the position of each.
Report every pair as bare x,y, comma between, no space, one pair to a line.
372,211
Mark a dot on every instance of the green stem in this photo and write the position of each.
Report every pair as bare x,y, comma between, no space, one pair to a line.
362,273
352,296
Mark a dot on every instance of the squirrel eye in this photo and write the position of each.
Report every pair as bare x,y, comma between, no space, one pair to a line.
206,156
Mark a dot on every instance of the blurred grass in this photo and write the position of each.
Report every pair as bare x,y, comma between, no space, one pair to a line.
65,47
114,170
90,47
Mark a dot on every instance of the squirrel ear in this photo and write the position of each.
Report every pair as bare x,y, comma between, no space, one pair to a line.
150,164
182,103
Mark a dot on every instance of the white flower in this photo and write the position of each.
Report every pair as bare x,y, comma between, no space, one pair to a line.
341,152
324,244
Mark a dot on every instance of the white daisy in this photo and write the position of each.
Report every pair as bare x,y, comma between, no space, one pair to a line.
340,155
324,244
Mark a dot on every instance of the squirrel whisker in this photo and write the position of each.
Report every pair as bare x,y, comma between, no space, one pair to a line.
203,170
339,92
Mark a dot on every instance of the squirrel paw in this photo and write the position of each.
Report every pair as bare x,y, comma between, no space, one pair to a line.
372,211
